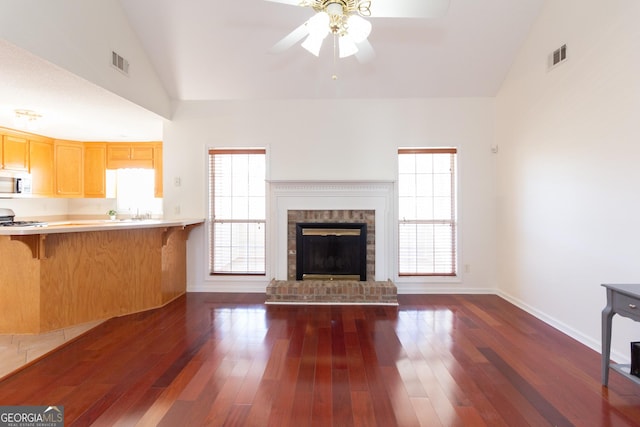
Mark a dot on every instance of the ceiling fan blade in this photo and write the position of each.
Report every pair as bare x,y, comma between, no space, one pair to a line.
290,39
365,51
408,8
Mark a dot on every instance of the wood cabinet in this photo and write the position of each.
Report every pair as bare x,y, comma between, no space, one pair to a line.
54,280
61,168
41,160
157,166
26,152
15,153
69,168
95,169
121,156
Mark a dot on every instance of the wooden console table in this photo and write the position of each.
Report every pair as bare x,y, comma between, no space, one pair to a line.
625,301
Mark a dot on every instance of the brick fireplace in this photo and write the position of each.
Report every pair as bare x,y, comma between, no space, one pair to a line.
371,203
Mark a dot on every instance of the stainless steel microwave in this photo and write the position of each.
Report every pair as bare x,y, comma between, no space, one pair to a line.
14,182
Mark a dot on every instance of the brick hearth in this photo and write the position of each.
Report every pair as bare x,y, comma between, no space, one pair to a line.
331,291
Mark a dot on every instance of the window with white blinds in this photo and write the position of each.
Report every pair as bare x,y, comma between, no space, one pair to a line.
427,212
237,211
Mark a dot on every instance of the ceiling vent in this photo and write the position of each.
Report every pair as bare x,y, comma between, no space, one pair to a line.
558,56
120,63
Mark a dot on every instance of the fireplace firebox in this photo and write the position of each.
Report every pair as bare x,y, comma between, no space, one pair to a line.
331,251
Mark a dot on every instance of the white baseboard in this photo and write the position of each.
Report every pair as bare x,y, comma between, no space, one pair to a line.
239,286
422,289
591,342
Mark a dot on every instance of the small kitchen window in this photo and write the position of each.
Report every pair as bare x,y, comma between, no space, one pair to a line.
133,190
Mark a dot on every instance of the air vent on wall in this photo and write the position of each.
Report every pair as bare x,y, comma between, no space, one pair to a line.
558,56
120,63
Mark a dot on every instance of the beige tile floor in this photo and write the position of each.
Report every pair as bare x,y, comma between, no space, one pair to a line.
19,350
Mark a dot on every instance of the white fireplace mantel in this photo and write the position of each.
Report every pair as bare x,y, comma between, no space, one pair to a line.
333,195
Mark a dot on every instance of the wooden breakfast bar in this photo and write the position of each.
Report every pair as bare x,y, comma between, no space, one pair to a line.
74,272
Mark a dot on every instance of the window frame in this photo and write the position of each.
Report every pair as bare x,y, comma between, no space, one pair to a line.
211,220
452,220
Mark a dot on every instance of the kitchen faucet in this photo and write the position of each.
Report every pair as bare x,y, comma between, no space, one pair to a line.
142,216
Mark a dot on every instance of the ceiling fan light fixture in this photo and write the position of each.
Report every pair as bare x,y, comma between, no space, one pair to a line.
318,25
335,9
345,18
347,46
358,28
313,44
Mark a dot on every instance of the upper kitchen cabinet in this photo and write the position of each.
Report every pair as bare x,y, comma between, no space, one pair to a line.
95,169
41,161
69,168
62,168
26,152
124,156
157,166
15,153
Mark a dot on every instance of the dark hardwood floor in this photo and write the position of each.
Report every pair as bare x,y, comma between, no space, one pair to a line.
227,359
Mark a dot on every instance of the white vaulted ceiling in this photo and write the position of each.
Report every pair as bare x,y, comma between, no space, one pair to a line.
218,50
205,49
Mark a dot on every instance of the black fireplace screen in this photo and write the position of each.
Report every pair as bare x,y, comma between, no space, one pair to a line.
327,251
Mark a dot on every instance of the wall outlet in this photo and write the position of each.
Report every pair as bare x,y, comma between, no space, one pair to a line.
467,268
176,210
177,181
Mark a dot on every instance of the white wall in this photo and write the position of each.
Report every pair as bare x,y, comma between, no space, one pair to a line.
36,208
568,212
347,140
52,209
79,36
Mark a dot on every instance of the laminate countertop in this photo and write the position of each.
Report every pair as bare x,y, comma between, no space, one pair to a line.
83,225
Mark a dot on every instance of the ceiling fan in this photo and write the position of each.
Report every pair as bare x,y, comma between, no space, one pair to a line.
345,19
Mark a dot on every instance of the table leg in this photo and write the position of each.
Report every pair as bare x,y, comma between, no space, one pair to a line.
607,315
